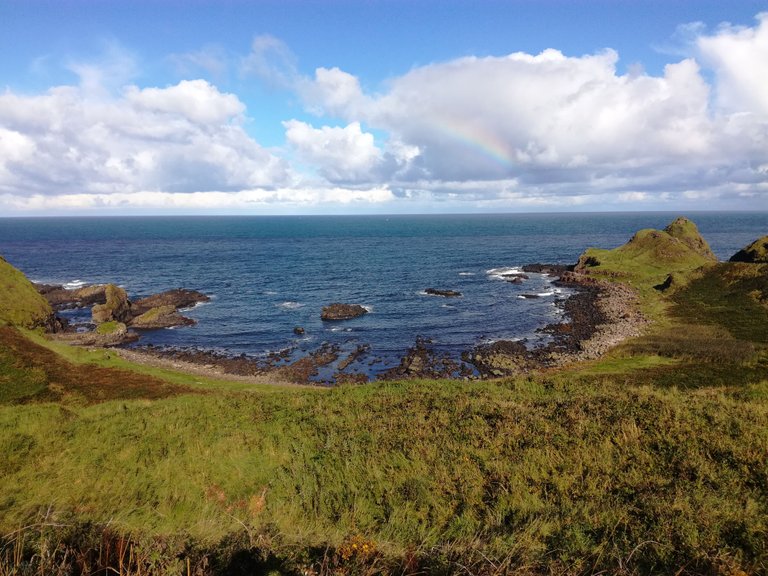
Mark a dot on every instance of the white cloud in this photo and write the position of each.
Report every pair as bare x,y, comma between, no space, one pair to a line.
242,200
341,154
520,131
211,60
336,92
272,61
739,56
196,100
565,126
184,138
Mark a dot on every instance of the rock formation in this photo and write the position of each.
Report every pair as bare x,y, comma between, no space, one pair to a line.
110,333
687,232
178,298
160,317
337,311
756,253
116,307
60,298
443,293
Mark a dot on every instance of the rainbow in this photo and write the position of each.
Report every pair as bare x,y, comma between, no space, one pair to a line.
478,138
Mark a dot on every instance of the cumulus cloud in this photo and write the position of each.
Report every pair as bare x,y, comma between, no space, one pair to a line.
739,56
562,126
519,131
183,138
340,153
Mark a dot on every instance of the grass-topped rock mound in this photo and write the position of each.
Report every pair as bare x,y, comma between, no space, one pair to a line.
20,303
755,253
651,255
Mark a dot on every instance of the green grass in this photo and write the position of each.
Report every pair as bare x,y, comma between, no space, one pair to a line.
20,303
528,473
109,327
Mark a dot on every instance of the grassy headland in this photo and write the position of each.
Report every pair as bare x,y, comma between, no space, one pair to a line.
652,459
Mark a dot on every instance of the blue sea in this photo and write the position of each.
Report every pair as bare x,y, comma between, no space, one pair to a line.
267,275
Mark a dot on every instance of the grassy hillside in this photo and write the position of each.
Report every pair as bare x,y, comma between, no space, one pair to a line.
651,256
547,474
651,460
20,303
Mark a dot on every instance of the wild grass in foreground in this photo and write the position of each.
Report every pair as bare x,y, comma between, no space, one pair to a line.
537,475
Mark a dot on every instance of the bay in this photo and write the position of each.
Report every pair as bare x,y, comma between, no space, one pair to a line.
267,275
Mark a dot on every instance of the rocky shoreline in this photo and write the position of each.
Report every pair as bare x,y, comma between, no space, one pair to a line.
599,315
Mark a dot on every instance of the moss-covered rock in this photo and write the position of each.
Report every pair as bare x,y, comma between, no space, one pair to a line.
687,232
111,327
20,303
651,255
161,317
757,252
117,307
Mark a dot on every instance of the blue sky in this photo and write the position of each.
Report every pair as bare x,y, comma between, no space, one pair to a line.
141,107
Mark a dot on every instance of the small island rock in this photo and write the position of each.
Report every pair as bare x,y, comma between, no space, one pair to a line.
337,311
160,317
178,298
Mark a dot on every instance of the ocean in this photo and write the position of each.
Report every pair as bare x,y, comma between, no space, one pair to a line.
268,275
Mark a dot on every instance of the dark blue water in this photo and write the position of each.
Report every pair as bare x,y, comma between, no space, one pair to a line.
269,274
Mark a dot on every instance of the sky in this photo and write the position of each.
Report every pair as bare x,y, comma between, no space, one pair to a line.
114,107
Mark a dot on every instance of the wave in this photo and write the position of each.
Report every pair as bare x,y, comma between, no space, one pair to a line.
74,284
503,272
549,293
196,305
466,273
290,305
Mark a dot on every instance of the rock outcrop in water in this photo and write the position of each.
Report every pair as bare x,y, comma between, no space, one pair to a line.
62,298
177,298
443,293
117,306
338,311
160,317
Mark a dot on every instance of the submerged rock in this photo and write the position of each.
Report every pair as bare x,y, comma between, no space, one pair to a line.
339,311
443,293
